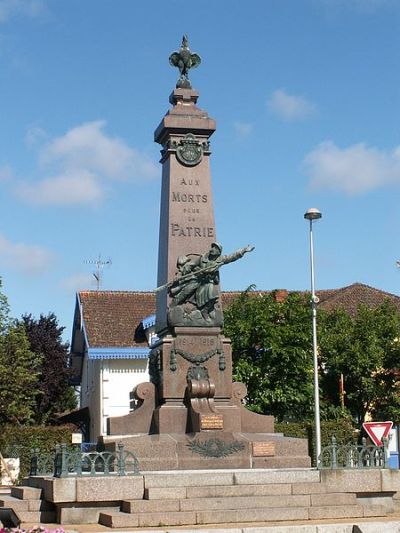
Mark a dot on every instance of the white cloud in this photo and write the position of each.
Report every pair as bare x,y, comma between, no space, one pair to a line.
243,129
87,147
80,163
11,8
77,282
6,173
355,169
28,258
71,188
289,106
34,135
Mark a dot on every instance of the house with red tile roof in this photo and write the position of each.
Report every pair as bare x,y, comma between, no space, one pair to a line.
113,332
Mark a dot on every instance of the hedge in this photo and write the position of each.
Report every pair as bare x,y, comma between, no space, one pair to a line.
18,441
342,430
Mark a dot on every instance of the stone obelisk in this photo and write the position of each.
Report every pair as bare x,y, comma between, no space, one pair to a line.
187,215
190,415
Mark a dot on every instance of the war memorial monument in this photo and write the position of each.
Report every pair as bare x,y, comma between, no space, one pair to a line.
191,414
192,453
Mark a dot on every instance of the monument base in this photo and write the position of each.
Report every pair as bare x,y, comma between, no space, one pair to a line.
212,450
192,417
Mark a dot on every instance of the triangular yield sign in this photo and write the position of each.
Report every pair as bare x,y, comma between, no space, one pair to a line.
377,431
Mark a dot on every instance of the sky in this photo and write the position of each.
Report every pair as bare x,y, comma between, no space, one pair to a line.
306,98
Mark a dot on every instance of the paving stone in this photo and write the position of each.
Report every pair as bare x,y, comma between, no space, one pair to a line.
187,479
26,493
276,476
156,493
244,502
238,490
335,528
337,511
379,527
333,498
281,529
149,506
252,515
166,519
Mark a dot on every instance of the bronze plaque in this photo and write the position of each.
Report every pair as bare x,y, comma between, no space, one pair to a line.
211,422
263,449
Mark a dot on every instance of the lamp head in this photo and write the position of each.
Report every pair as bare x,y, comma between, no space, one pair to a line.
312,214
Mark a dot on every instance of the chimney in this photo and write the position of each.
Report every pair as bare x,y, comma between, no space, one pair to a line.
280,295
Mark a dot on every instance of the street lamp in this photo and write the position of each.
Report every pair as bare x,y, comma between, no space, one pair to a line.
311,215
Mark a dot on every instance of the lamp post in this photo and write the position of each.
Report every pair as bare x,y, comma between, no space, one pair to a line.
311,215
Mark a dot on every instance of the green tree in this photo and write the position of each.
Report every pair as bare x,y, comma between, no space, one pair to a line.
272,355
55,394
18,371
366,350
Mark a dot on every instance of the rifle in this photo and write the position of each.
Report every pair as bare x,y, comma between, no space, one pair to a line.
193,275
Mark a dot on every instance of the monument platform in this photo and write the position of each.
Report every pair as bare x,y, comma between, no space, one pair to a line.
208,498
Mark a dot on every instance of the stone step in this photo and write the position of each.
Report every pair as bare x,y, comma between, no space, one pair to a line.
264,477
120,519
336,511
272,489
228,515
150,506
26,493
333,499
223,491
189,478
36,517
14,503
243,502
220,503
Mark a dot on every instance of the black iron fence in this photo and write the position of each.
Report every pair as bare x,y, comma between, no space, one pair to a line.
354,456
65,462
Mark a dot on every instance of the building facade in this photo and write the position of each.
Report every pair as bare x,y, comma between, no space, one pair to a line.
113,332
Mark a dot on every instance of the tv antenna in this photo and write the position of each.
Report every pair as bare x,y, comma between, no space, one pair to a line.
98,273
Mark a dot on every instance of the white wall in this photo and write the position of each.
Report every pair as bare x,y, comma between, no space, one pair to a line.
120,377
105,389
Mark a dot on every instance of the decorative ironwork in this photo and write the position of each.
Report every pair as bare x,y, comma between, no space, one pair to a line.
352,456
43,464
189,151
215,447
184,60
66,463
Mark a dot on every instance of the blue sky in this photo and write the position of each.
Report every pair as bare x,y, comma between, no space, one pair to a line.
306,98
